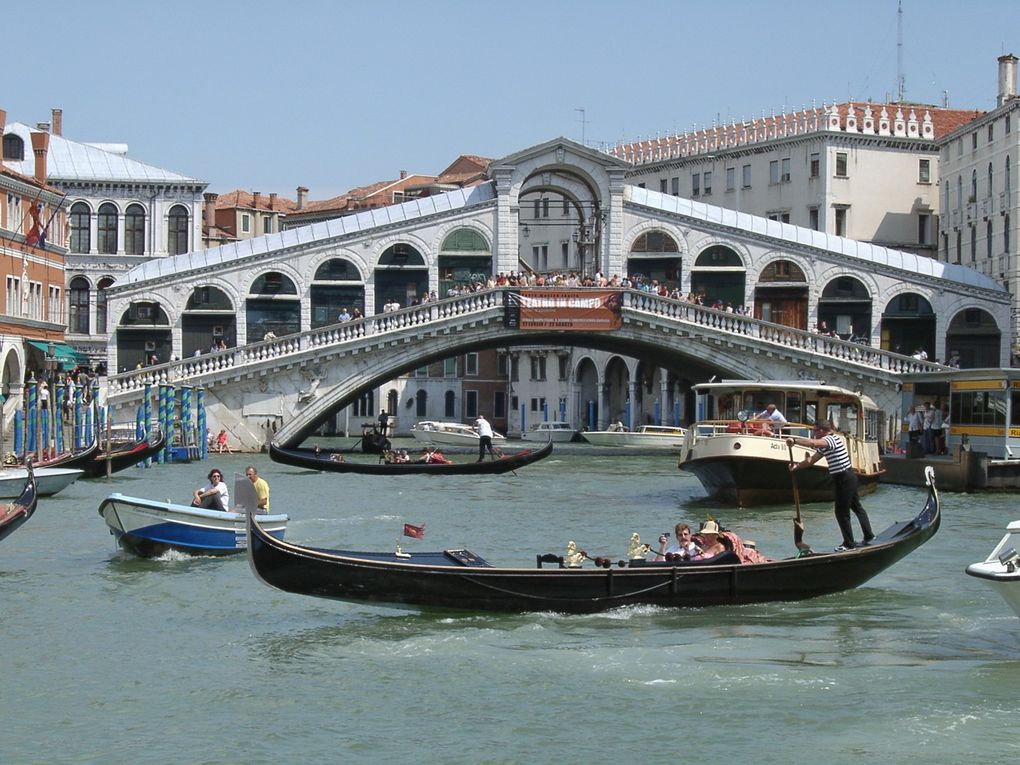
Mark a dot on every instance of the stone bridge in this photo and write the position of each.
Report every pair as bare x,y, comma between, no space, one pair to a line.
302,379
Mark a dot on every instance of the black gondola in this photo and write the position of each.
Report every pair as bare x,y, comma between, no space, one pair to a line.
73,460
373,441
458,579
121,459
15,514
334,462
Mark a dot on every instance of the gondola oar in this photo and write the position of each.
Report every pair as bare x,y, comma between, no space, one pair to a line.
798,525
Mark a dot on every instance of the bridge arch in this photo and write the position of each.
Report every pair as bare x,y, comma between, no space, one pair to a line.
908,322
846,304
719,274
336,284
401,275
464,255
657,252
142,333
781,292
272,306
209,315
974,338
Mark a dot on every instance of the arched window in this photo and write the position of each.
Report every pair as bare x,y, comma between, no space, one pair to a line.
134,230
78,306
449,405
272,306
14,147
655,241
177,230
973,185
104,284
81,220
465,240
421,400
106,225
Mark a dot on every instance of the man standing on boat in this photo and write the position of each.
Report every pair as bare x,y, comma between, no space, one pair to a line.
827,444
772,414
261,489
484,437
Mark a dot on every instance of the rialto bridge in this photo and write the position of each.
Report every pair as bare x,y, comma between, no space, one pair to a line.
274,301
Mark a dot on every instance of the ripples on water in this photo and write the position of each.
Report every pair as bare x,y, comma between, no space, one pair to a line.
110,658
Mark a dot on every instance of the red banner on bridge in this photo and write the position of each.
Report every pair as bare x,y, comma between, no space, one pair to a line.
565,310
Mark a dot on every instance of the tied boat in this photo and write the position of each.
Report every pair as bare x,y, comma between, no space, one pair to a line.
148,527
49,481
15,514
459,579
124,456
334,462
666,437
550,430
1001,569
439,433
743,459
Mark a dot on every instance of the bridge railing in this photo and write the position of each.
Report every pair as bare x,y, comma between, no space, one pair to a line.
797,339
177,372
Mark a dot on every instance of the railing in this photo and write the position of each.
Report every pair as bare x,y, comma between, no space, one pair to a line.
380,325
708,428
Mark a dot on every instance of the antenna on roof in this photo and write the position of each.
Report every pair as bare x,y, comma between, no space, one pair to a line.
583,123
900,84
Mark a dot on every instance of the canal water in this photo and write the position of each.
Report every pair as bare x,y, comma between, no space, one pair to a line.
109,658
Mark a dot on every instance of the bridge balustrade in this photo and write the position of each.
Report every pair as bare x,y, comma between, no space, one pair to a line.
723,322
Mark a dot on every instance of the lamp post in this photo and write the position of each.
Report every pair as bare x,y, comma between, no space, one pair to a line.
46,430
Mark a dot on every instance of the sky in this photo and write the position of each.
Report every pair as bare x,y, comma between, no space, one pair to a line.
267,96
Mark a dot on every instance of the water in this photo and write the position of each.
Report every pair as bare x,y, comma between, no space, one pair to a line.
113,659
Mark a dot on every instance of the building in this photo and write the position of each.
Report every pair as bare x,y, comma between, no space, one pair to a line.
980,207
243,215
33,224
121,212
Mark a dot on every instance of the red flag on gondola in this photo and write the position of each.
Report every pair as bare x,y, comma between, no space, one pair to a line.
418,532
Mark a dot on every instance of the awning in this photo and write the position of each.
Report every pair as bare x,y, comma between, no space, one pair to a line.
66,355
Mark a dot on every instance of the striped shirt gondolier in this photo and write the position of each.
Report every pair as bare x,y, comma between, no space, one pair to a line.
835,453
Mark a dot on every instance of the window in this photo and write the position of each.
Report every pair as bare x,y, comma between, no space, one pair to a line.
471,404
674,182
782,217
134,230
177,230
78,306
1006,183
449,405
745,176
973,245
54,306
564,367
267,225
499,404
922,228
35,304
924,171
973,186
774,172
988,240
731,178
471,364
1005,236
81,218
664,185
245,223
106,224
841,164
959,247
973,141
696,184
538,367
101,288
708,182
840,221
14,147
1007,124
991,132
421,371
785,178
566,207
13,296
813,218
450,367
15,213
989,179
815,165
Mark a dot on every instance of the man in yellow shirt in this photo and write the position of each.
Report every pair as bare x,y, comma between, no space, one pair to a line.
261,489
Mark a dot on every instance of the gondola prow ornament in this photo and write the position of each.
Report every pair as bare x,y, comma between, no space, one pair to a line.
637,550
573,557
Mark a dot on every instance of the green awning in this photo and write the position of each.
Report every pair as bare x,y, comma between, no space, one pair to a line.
66,355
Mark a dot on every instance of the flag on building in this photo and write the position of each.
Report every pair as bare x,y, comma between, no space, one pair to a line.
418,532
35,234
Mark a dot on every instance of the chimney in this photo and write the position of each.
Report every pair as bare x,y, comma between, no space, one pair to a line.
302,197
58,121
3,123
256,197
43,126
272,200
1007,78
40,145
403,174
210,208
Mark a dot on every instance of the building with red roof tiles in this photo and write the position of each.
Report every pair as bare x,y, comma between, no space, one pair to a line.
859,170
243,215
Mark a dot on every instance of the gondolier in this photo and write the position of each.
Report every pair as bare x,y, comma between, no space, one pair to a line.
484,437
832,447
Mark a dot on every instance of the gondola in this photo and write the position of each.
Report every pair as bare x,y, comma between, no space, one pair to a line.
459,579
15,514
121,459
72,460
319,459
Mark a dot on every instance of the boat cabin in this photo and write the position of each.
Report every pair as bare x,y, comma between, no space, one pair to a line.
983,407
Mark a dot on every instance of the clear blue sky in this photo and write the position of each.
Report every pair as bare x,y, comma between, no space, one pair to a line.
267,96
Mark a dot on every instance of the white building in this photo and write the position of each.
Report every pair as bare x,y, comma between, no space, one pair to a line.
980,207
121,212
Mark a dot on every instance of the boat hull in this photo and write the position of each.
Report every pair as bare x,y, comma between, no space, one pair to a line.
14,515
667,441
450,434
1003,576
148,528
123,458
559,433
50,481
320,460
456,579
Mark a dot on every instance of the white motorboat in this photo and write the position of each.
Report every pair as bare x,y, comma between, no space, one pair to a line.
1001,569
741,457
551,430
49,480
664,437
439,433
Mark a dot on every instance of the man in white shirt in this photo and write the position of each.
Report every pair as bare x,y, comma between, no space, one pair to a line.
484,437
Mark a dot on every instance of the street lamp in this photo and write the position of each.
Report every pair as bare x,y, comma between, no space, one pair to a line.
51,421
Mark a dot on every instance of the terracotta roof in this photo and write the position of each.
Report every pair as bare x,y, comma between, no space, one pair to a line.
943,122
246,200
